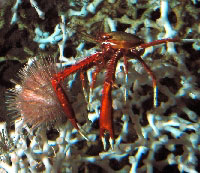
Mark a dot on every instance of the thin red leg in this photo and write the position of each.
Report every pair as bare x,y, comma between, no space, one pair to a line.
99,67
136,50
126,65
126,77
62,97
82,77
94,76
106,104
85,63
148,70
67,108
157,42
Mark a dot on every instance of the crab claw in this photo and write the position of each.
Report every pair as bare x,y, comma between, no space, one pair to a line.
111,141
67,108
82,132
106,115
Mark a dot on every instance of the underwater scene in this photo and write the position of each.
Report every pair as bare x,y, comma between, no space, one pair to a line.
95,86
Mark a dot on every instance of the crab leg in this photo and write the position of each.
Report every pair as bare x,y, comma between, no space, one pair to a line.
149,71
126,77
106,104
136,53
80,65
62,97
157,42
94,77
106,114
82,77
64,101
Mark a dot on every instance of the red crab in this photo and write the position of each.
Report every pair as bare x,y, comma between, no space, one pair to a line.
114,45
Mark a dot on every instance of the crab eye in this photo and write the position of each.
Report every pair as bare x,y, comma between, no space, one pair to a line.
106,37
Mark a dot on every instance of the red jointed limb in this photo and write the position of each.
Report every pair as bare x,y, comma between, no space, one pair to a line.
85,63
157,42
126,64
94,76
82,77
106,111
106,104
151,74
63,99
146,67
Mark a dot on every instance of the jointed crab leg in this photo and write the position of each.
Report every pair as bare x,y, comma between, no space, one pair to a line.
62,97
157,42
148,70
106,104
94,76
64,101
106,113
136,53
126,77
85,63
82,77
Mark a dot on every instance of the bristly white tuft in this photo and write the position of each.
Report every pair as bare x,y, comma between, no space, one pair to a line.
33,98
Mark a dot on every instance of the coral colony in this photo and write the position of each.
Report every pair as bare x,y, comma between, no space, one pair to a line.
154,130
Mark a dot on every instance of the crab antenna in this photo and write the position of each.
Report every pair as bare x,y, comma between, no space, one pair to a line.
157,42
190,40
165,40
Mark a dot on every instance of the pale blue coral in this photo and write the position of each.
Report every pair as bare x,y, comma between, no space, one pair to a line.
150,137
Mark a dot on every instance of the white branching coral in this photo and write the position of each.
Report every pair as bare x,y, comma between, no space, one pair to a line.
147,138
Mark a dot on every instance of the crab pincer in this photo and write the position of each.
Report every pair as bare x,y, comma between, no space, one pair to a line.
106,104
106,114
